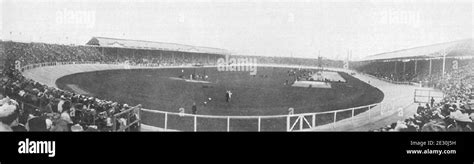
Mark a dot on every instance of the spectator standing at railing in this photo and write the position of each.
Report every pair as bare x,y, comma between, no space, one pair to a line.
432,101
65,116
419,109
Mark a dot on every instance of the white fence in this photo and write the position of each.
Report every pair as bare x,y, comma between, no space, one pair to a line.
289,122
333,120
425,95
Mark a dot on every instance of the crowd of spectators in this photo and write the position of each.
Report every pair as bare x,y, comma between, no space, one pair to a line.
387,71
453,113
162,58
44,108
33,53
28,53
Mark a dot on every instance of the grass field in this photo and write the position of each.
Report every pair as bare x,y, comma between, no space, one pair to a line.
263,94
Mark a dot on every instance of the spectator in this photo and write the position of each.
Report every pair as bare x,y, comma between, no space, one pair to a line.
194,108
432,101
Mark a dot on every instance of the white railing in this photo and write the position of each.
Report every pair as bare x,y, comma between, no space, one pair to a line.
425,95
173,121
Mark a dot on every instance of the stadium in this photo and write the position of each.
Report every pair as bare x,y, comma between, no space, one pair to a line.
163,81
113,67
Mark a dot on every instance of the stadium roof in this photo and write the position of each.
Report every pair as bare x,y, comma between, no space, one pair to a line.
453,49
140,44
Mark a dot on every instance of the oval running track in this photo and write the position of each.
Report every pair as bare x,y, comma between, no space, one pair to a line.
396,105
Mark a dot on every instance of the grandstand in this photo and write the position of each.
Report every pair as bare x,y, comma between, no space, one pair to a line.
420,64
443,76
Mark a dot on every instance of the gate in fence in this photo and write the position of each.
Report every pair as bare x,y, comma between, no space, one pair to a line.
127,120
425,95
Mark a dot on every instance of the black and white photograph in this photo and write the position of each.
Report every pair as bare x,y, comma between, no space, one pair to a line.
164,66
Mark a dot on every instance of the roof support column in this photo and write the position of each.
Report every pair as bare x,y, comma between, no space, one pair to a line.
395,67
415,65
404,63
430,66
172,57
444,62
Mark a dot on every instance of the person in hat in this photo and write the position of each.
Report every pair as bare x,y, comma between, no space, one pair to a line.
92,128
401,126
65,116
76,128
8,111
420,109
461,120
433,127
437,114
61,103
37,124
427,106
432,101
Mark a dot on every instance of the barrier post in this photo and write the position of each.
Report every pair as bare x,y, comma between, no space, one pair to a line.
301,118
259,121
334,123
368,110
140,118
228,124
314,121
166,120
288,123
352,117
195,123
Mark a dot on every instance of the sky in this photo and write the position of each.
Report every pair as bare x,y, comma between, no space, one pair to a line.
301,28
